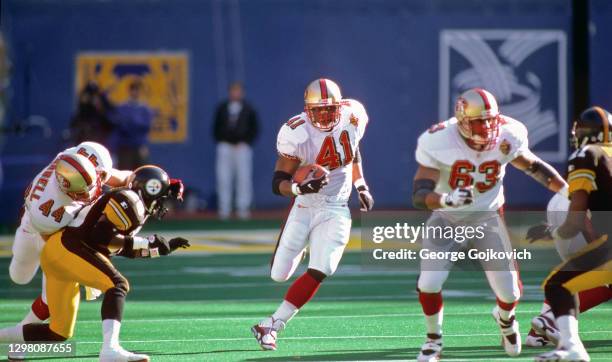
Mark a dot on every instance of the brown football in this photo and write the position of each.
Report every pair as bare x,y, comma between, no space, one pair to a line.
309,172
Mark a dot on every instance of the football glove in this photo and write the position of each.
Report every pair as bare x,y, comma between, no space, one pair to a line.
312,186
366,201
166,247
176,189
458,197
543,231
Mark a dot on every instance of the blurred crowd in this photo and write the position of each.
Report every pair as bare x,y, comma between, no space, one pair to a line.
123,128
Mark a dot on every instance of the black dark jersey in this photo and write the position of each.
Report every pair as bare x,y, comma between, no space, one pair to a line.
120,211
590,170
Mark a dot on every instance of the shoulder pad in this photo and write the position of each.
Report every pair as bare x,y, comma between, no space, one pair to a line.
125,209
513,127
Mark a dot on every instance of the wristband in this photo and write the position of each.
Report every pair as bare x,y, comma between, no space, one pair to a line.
443,202
154,252
360,182
295,189
140,243
555,234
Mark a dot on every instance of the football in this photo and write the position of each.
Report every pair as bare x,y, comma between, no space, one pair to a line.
308,172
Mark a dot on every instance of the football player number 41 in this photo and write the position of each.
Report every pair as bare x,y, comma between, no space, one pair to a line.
329,156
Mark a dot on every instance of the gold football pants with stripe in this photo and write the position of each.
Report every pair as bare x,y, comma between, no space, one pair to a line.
68,264
589,268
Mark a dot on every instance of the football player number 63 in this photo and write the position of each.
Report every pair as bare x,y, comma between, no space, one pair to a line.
460,175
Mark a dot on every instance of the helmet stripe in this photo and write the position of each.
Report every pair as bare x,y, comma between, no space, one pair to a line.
323,87
604,120
484,97
77,167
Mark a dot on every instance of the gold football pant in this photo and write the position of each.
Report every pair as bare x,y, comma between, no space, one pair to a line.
589,268
68,264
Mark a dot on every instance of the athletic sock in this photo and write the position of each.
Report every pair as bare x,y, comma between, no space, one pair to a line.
39,312
285,311
568,329
110,332
594,297
506,310
433,309
12,334
302,290
545,307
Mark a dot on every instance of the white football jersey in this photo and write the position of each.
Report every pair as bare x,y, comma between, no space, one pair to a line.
335,150
443,148
48,207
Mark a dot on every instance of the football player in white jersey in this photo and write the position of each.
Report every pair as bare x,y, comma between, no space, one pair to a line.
462,163
51,202
327,133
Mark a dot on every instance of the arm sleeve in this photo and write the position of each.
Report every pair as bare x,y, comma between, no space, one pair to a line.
581,171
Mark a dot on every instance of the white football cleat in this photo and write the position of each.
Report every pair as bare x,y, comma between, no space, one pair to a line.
431,351
534,339
546,326
511,336
575,353
266,332
118,354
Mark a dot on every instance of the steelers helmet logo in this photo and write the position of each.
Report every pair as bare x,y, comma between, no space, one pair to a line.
153,186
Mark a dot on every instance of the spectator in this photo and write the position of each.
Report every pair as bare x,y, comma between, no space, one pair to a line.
235,129
133,121
91,121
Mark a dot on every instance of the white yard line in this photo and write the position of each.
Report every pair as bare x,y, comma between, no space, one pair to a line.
309,338
351,316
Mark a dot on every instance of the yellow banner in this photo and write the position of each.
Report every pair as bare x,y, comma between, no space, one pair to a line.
163,75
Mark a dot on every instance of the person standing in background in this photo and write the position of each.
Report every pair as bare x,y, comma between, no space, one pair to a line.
235,129
132,120
90,121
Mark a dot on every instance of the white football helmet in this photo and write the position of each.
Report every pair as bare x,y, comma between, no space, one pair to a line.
98,155
477,114
322,101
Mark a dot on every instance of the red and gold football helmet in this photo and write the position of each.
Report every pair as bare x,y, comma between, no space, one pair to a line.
77,177
477,114
322,102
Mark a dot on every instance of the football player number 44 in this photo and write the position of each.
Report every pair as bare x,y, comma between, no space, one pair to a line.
461,175
45,208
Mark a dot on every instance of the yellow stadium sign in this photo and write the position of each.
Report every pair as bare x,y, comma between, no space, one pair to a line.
163,75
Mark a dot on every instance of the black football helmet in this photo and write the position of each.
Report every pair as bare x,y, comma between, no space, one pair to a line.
152,184
593,126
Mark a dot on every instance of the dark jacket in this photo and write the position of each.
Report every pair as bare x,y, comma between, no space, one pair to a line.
243,130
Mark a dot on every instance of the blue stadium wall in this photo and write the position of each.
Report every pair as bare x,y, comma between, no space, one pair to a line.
387,54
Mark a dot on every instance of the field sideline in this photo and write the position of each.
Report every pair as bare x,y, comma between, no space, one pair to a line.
200,308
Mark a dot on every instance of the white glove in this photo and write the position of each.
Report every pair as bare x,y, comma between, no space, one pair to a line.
458,197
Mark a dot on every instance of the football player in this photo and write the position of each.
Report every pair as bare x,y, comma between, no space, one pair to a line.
462,163
327,133
80,255
544,329
590,193
51,202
